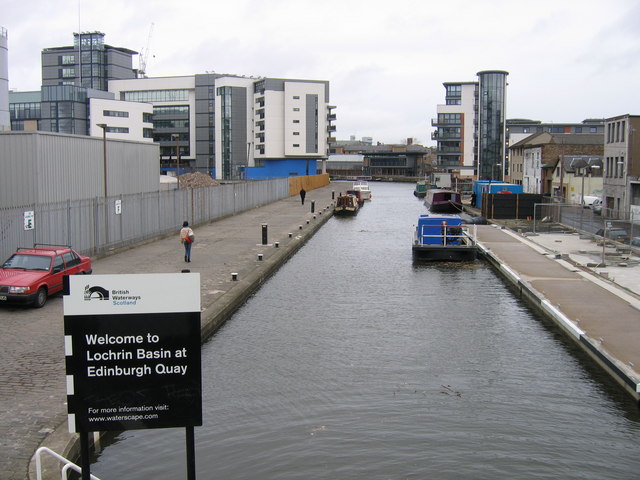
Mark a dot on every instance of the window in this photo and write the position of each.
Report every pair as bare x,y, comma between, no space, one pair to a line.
115,113
147,118
296,97
68,60
71,259
117,130
296,109
296,121
171,109
147,132
296,133
454,118
68,72
149,96
296,144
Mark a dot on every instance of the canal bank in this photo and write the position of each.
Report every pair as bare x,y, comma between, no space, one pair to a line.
234,257
602,317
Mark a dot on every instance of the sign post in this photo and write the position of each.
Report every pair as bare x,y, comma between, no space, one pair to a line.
132,346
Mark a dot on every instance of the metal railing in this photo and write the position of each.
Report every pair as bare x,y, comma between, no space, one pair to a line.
68,464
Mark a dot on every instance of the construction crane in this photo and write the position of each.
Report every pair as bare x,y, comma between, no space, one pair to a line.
143,57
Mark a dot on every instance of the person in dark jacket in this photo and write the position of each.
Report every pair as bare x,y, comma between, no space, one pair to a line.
302,195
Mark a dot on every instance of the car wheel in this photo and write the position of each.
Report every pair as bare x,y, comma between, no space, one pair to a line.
41,298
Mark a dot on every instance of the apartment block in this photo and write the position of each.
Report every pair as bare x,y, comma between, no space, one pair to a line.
471,127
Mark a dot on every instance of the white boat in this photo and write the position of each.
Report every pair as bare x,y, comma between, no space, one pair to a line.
362,186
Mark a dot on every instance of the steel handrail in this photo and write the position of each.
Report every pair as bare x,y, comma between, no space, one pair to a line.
68,464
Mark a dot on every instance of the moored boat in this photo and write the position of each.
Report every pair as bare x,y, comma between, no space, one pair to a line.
346,205
439,200
443,238
358,195
362,186
421,188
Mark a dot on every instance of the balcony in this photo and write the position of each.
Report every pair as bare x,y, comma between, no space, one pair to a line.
331,128
331,117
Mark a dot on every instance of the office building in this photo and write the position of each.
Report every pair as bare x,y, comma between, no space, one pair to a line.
236,127
88,63
228,126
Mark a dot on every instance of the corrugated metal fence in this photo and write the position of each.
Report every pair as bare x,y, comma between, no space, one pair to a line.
129,219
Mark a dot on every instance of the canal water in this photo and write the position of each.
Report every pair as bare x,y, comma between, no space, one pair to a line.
353,362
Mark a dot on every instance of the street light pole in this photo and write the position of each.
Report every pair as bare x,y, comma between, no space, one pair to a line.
176,136
104,127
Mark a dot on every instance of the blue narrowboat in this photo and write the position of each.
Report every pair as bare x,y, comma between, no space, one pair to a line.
443,238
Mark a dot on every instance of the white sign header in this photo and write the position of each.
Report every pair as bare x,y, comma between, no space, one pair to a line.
135,293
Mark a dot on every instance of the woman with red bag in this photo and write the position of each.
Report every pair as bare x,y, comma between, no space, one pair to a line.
186,237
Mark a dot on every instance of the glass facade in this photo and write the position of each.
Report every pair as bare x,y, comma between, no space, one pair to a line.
171,122
150,96
225,97
491,124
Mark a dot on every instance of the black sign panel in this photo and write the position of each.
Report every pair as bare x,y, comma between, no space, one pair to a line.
134,371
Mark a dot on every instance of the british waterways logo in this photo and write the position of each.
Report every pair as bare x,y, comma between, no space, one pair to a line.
117,297
95,293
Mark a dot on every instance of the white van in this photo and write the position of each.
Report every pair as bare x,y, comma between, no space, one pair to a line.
589,199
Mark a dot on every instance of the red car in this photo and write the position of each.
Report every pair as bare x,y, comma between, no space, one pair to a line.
30,275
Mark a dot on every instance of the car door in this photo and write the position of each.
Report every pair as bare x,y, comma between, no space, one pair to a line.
57,274
72,263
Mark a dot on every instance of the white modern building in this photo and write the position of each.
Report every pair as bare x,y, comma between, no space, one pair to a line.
238,127
471,127
456,129
122,120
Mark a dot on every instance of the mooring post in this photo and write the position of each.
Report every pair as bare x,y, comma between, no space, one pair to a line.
264,234
313,206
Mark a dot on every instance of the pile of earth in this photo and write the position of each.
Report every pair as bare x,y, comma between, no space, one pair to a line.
196,180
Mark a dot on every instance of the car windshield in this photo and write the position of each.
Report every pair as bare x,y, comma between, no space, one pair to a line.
28,262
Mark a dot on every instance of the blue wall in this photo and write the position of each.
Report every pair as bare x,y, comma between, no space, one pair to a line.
282,168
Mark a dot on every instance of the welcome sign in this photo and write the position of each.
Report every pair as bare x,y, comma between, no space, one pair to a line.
132,346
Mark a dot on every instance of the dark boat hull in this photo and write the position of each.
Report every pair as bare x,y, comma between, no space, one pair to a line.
445,253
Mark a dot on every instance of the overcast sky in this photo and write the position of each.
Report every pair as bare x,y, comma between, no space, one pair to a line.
568,60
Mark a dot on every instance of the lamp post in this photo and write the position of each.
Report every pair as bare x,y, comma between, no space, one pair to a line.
104,128
176,137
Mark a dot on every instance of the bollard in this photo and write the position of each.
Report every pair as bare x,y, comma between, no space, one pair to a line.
314,217
290,235
259,257
186,270
333,195
277,244
234,277
307,222
313,206
299,227
264,233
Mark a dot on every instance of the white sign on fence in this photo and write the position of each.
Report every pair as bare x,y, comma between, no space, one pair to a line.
29,220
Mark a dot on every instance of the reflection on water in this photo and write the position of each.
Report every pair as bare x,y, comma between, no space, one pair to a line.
353,362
